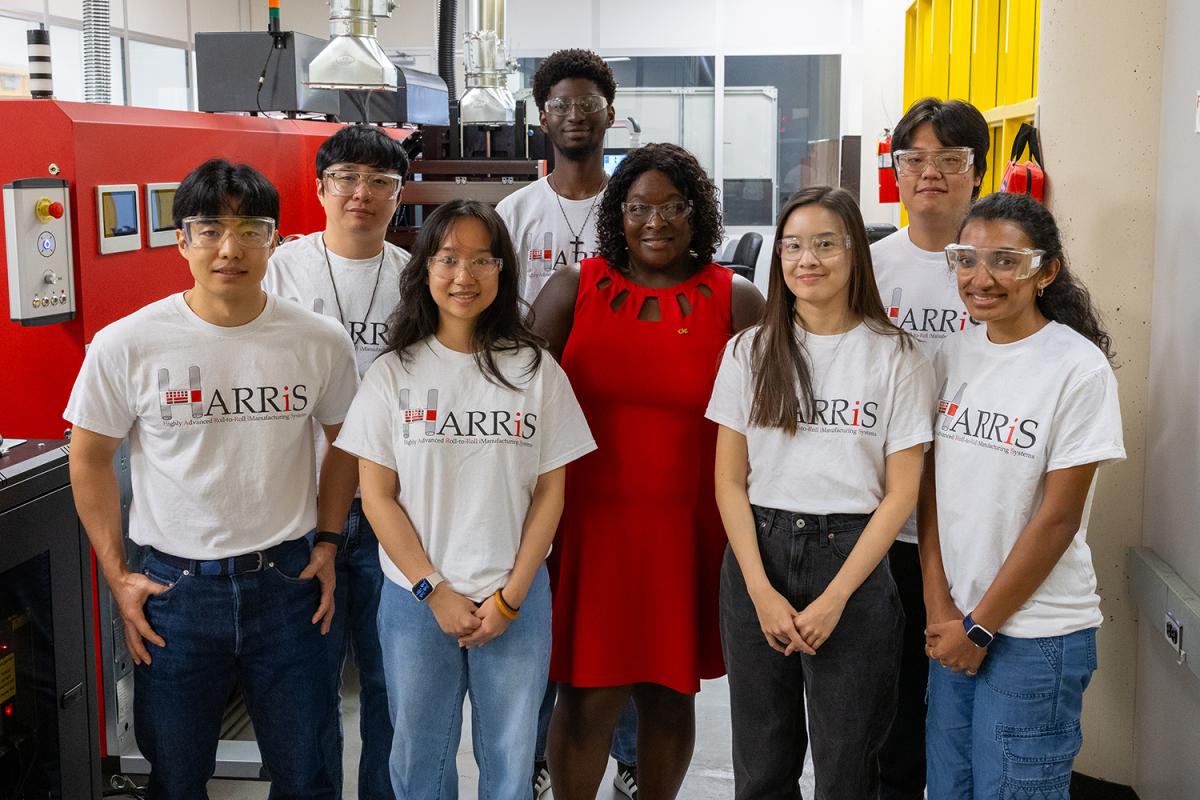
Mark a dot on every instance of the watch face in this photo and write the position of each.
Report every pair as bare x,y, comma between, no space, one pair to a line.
422,589
979,636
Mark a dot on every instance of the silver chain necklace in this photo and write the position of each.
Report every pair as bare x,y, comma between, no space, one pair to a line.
333,283
576,238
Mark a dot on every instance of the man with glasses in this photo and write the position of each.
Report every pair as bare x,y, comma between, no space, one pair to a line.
217,389
939,153
553,220
350,272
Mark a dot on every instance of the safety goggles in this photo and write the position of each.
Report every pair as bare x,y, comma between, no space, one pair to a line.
948,160
249,232
587,104
381,185
447,267
1001,262
791,248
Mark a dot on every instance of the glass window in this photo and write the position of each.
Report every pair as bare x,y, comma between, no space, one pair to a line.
158,76
14,57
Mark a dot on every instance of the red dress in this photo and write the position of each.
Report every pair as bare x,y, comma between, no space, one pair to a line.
641,541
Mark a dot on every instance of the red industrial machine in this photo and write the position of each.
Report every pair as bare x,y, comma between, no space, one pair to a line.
119,165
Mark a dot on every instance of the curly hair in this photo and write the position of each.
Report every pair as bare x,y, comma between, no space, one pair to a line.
685,172
573,63
1065,299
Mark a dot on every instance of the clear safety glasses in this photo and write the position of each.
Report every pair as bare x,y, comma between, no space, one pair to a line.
948,160
641,212
588,104
791,248
1002,262
249,232
447,267
381,185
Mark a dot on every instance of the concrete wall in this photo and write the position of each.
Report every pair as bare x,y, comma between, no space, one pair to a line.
1099,98
1167,713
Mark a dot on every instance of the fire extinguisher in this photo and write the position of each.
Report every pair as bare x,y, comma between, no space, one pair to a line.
889,192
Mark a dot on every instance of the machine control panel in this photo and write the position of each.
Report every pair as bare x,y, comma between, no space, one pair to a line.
37,230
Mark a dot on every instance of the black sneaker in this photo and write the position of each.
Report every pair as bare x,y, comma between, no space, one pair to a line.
541,780
625,781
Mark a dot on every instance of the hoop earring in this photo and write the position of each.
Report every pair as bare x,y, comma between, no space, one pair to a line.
1041,290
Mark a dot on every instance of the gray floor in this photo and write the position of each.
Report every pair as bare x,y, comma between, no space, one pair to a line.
709,778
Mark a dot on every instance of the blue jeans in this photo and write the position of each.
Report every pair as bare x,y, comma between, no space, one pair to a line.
1013,730
624,741
428,675
254,628
359,581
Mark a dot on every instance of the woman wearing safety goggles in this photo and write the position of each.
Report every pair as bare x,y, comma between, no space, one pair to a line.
1026,413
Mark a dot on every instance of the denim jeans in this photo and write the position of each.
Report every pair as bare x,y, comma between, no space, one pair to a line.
359,582
428,675
848,687
1011,732
624,741
902,759
255,628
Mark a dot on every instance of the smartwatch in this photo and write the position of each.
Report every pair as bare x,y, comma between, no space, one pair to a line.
424,587
979,635
329,537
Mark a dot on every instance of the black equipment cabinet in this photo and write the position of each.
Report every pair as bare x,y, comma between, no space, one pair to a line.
49,747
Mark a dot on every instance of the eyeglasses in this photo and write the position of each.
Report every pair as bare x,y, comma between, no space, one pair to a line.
249,232
1007,262
588,104
448,267
948,160
381,185
641,212
791,249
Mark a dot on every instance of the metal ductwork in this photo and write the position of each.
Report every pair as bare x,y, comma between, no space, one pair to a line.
353,58
487,99
97,58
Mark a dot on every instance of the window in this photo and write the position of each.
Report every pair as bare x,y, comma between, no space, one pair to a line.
158,76
14,57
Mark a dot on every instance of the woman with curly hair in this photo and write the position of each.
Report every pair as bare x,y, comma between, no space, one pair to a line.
1028,411
640,331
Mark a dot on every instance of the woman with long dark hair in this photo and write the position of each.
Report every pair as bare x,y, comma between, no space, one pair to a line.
463,429
640,332
824,416
1027,412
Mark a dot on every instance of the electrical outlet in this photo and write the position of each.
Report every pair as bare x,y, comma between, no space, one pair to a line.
1173,632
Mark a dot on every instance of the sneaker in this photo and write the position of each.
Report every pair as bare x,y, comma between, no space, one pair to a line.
541,780
625,781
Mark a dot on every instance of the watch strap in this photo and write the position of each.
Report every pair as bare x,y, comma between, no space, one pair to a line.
979,635
329,537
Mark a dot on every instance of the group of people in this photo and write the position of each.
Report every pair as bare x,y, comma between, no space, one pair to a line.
730,484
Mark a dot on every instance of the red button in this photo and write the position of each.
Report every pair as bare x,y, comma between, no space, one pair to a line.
56,210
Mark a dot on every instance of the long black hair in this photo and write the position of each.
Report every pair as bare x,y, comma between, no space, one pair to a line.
778,359
500,328
1065,299
688,178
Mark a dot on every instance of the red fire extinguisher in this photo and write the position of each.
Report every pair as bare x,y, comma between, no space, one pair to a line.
889,192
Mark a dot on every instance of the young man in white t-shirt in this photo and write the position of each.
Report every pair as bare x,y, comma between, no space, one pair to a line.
216,389
939,152
349,271
552,221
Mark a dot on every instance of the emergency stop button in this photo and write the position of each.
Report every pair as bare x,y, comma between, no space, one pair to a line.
47,209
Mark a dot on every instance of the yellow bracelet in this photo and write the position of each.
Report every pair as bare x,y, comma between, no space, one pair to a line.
503,607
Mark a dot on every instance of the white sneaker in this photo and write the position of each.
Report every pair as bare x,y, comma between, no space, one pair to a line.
541,780
625,781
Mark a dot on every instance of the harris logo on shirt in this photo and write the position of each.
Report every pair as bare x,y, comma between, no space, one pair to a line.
250,402
926,320
842,414
543,254
992,429
370,335
458,426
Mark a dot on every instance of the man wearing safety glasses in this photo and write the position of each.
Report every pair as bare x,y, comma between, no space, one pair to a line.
216,389
939,153
350,272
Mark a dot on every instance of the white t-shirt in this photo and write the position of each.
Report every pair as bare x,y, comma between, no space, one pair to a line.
218,420
873,399
1007,415
468,453
542,237
920,295
298,271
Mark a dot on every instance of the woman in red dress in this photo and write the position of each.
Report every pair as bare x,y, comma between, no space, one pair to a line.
640,332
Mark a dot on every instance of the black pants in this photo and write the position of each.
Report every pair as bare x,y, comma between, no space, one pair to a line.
902,760
848,687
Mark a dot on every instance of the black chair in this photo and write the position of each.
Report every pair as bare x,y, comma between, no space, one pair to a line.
745,255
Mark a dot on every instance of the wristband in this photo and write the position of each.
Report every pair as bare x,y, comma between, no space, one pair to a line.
329,537
503,607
